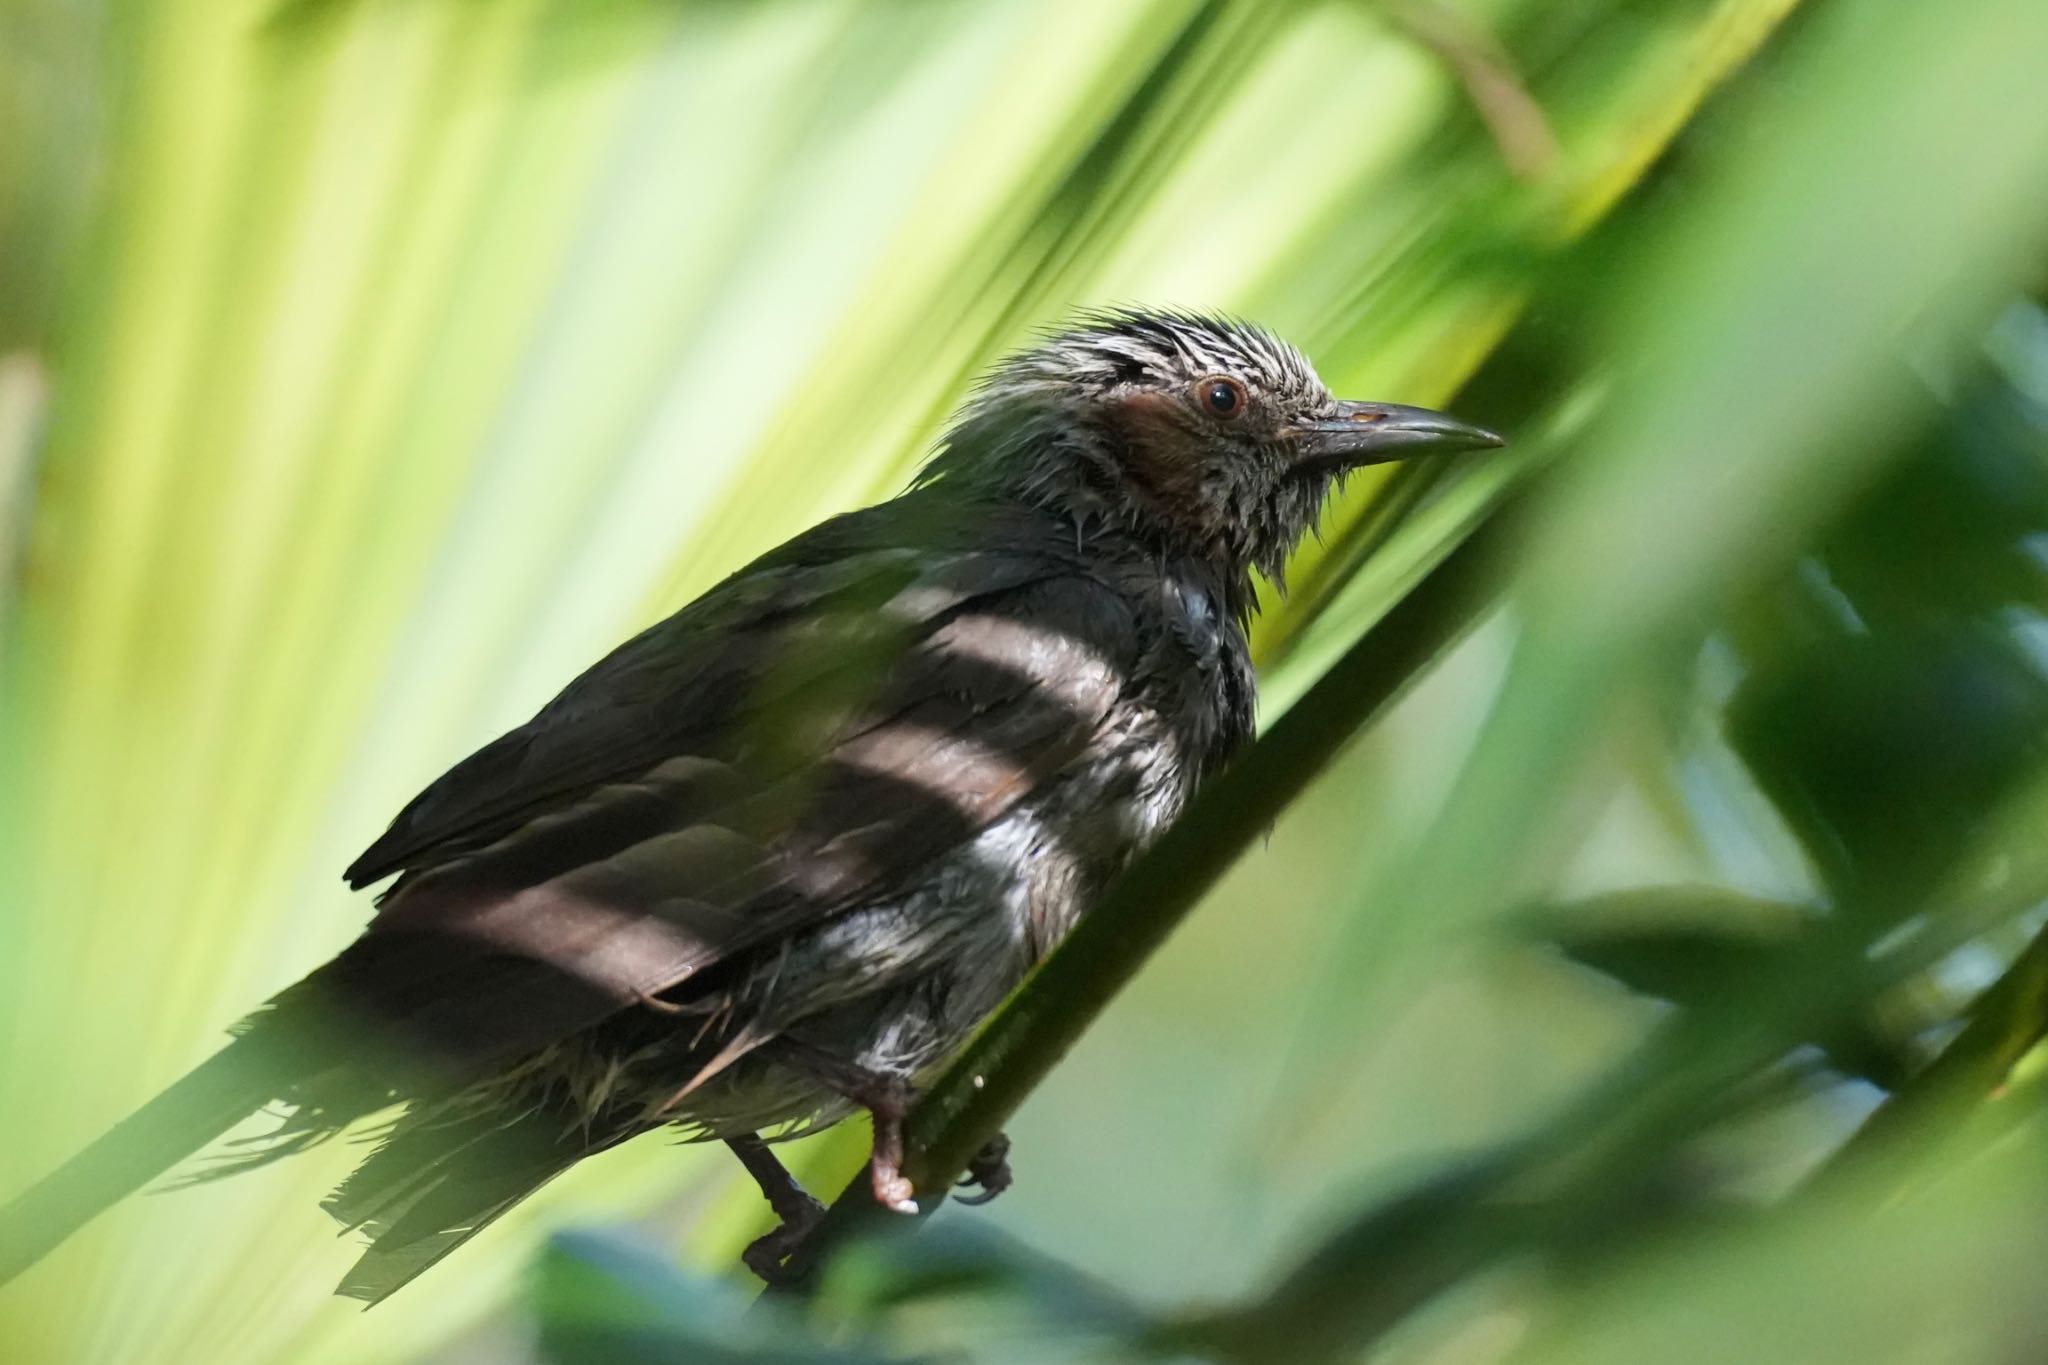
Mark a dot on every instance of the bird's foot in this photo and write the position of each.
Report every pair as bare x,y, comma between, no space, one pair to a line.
990,1170
893,1189
886,1097
792,1203
765,1255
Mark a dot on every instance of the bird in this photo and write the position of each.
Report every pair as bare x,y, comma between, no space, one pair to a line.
770,861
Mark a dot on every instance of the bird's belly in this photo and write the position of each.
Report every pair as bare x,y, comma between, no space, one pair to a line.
986,913
895,988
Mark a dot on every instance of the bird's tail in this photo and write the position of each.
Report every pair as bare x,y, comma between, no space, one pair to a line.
436,1183
207,1101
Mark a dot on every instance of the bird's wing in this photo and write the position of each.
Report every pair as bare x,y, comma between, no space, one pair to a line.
686,685
846,747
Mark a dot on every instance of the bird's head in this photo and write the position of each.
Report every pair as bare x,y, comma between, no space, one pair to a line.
1211,434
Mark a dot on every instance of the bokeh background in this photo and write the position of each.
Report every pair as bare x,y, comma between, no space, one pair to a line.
1656,981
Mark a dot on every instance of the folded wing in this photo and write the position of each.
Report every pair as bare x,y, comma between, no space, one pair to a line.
786,750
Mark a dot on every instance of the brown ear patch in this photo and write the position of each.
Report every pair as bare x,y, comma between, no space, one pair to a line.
1149,408
1164,449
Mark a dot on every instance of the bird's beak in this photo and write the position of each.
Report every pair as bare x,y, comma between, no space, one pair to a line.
1374,433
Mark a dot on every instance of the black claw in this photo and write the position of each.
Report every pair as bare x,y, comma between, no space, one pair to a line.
990,1169
765,1255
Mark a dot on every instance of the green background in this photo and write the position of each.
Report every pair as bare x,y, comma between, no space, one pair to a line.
369,366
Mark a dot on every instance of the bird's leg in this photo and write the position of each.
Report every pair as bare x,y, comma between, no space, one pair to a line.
886,1097
792,1203
888,1103
990,1169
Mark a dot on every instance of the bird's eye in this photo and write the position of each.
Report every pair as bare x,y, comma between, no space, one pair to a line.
1224,397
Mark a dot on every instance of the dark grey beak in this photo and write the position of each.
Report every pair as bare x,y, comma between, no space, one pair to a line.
1374,433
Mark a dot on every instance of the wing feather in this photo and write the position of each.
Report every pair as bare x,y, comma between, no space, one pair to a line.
781,643
530,912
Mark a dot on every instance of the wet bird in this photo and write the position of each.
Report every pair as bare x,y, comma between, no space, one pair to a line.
770,861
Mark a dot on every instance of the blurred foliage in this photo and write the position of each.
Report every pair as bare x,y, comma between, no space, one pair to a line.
1659,980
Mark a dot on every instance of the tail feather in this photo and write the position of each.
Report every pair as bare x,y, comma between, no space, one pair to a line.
395,1023
210,1099
430,1189
396,1258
